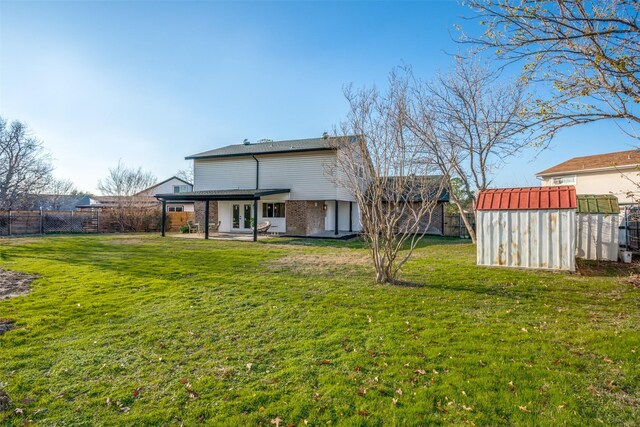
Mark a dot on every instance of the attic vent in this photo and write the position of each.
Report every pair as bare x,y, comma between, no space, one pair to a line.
263,140
246,141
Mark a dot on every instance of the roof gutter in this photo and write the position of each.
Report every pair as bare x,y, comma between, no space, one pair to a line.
544,174
221,156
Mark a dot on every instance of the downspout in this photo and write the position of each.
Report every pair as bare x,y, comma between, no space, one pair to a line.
255,201
257,171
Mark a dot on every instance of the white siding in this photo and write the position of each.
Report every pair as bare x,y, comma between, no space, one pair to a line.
619,183
225,174
164,188
542,239
307,175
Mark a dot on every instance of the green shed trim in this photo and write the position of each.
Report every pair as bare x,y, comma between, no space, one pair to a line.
598,203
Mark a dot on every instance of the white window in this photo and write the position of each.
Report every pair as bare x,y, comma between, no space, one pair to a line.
180,188
175,208
563,180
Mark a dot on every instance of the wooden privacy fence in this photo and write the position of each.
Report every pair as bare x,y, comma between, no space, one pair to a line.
454,225
16,223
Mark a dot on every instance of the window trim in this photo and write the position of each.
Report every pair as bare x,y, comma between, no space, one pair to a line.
282,210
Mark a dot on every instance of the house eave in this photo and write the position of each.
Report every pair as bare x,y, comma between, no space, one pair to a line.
222,156
544,174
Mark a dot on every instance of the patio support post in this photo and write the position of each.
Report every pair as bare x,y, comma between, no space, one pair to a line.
255,220
336,217
350,217
206,219
164,216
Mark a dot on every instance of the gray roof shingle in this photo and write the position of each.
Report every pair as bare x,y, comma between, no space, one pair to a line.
289,146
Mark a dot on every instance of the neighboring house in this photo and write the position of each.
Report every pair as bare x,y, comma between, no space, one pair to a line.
145,198
53,202
611,173
292,184
172,185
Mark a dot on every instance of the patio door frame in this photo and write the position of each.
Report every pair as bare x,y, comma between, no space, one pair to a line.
244,222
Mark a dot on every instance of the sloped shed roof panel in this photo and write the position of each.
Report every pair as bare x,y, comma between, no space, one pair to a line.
598,203
545,198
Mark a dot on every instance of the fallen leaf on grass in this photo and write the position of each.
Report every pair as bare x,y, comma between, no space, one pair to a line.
395,401
184,380
467,408
523,409
399,391
420,372
276,421
325,362
363,413
440,408
362,391
136,392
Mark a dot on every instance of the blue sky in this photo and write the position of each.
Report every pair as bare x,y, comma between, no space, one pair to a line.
151,82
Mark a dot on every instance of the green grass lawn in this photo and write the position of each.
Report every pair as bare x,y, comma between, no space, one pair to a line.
139,330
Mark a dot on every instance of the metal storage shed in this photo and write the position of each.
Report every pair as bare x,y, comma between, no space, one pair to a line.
598,219
527,227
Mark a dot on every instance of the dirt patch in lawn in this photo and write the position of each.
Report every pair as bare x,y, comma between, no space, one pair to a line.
321,263
14,284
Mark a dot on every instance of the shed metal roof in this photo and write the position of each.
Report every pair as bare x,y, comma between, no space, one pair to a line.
528,198
598,203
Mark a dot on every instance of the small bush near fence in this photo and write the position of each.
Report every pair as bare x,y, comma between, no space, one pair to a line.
16,223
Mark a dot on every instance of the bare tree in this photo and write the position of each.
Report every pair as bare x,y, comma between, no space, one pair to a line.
384,167
589,52
59,194
469,123
131,212
187,174
125,181
25,167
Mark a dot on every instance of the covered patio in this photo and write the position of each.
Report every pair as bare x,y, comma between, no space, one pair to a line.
218,195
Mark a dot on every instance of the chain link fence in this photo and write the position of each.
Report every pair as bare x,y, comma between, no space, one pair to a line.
16,223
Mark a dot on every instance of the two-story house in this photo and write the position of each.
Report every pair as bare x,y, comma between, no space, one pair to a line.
611,173
292,184
297,186
173,185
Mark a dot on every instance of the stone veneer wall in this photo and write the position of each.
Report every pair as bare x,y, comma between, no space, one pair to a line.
304,217
198,208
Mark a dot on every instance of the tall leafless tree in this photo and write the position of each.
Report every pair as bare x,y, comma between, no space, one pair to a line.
588,51
125,181
469,123
384,167
123,184
25,167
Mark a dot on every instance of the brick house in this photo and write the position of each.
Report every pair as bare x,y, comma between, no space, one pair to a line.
292,184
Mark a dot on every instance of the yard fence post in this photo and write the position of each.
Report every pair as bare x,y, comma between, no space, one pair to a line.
41,221
9,223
